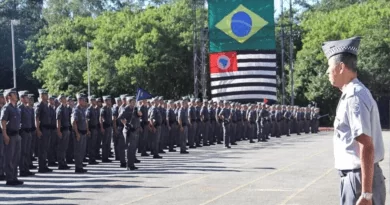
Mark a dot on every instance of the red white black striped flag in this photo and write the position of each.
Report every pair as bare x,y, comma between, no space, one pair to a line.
243,75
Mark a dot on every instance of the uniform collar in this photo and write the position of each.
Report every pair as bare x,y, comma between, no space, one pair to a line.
349,88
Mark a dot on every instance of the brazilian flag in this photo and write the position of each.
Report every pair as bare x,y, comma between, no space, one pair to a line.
241,25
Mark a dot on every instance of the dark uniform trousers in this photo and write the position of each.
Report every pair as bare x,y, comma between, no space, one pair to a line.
131,145
244,130
106,147
351,187
219,133
212,131
183,138
164,136
156,140
99,141
115,138
2,162
33,150
198,132
122,146
144,137
301,125
25,157
232,134
238,130
307,126
12,157
172,135
251,131
226,133
266,126
63,143
288,127
259,131
43,147
205,131
91,144
70,151
279,128
79,147
52,152
192,133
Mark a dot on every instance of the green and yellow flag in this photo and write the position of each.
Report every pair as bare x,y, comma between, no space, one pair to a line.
241,25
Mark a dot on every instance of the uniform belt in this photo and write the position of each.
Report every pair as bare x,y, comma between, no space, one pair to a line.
83,132
12,132
345,172
26,129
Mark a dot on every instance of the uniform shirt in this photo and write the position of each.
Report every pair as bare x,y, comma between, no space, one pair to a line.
197,112
252,116
163,113
63,115
171,115
144,111
106,114
273,116
205,113
218,111
93,117
192,113
226,114
70,110
11,114
183,116
308,116
130,115
357,114
155,116
32,117
212,113
279,115
238,114
42,112
115,113
53,114
25,117
244,115
78,115
234,116
287,115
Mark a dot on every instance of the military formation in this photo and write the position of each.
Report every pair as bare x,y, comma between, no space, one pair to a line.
61,130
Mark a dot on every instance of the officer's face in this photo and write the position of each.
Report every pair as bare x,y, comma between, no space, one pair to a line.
93,102
2,100
51,101
13,97
334,72
43,97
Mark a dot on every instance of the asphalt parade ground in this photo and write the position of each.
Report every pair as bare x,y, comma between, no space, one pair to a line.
296,170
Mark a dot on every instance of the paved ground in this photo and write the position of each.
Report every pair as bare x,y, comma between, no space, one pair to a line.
297,171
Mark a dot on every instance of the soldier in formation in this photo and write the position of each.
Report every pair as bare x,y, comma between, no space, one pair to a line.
61,132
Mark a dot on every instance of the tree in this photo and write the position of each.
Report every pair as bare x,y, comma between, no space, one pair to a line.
369,20
147,49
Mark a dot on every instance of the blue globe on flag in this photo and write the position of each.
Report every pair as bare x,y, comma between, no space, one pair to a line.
223,62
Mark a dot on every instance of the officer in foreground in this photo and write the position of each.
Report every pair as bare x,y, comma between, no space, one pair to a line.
358,141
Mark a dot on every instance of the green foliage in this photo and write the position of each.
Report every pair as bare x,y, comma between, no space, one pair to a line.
151,49
369,20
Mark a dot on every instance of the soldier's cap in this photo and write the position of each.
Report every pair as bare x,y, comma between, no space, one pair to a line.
42,91
220,101
52,97
211,101
197,100
160,98
350,45
128,98
99,99
118,99
226,102
6,92
92,97
74,99
107,97
185,99
192,99
123,96
154,99
30,95
61,96
81,96
69,98
259,103
23,93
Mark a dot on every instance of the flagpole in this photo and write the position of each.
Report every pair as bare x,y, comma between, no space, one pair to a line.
282,63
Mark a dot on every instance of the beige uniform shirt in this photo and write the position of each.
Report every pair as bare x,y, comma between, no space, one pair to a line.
357,113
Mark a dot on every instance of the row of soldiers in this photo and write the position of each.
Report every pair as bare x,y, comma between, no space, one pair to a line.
57,130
